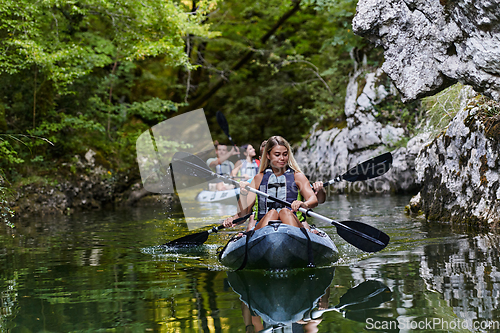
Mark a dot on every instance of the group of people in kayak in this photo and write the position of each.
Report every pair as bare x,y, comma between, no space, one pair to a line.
276,173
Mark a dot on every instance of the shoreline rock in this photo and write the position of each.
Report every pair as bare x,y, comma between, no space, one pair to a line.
327,154
460,170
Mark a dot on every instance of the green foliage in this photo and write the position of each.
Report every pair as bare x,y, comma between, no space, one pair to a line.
97,73
7,153
442,107
404,115
295,79
68,71
67,40
487,107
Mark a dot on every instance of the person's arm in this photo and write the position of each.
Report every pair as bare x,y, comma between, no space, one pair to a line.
310,200
224,157
246,202
237,168
320,192
234,151
247,198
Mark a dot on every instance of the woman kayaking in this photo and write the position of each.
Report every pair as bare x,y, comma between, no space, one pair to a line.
247,167
279,176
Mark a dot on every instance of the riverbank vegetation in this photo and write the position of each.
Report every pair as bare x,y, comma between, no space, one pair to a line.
93,75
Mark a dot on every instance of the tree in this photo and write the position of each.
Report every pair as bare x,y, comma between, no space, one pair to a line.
65,66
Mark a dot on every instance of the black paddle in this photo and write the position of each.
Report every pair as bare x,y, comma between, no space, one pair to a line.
221,120
369,169
366,295
361,235
200,237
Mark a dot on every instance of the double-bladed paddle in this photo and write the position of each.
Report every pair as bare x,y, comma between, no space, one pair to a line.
200,237
361,235
369,169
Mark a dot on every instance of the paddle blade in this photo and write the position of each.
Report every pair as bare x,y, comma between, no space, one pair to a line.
369,169
192,167
368,294
364,237
221,120
189,240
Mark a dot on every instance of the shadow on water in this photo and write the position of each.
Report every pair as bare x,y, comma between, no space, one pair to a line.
104,271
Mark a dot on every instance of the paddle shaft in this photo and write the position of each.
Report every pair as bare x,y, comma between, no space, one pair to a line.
308,212
346,229
332,181
236,221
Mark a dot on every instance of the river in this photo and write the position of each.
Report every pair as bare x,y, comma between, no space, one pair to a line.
103,271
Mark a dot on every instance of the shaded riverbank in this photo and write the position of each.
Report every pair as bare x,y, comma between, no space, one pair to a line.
82,186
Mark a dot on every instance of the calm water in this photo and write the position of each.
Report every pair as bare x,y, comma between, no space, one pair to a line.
103,272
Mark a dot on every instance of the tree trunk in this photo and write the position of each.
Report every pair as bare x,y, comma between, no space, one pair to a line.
203,99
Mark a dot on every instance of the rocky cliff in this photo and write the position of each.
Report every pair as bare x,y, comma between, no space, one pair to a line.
460,170
373,126
430,44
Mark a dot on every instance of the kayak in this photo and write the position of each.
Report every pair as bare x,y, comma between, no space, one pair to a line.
279,246
281,298
217,196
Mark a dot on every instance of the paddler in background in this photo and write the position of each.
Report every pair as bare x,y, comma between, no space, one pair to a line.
247,166
282,177
221,164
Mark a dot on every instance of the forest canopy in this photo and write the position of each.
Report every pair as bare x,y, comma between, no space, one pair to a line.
95,74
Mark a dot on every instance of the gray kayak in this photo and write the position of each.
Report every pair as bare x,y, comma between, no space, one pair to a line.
279,246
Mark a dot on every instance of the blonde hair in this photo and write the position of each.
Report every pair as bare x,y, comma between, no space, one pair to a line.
271,143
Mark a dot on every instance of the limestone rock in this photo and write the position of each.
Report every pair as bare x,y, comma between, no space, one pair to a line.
460,170
430,45
327,154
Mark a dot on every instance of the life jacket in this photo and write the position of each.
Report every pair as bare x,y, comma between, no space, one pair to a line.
282,187
222,169
250,169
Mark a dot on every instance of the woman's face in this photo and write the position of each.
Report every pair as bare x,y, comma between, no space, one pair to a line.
278,157
250,151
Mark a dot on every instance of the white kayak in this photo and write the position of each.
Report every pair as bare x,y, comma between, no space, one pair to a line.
279,246
217,196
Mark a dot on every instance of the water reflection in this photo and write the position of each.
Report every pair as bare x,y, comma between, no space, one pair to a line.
294,301
89,272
